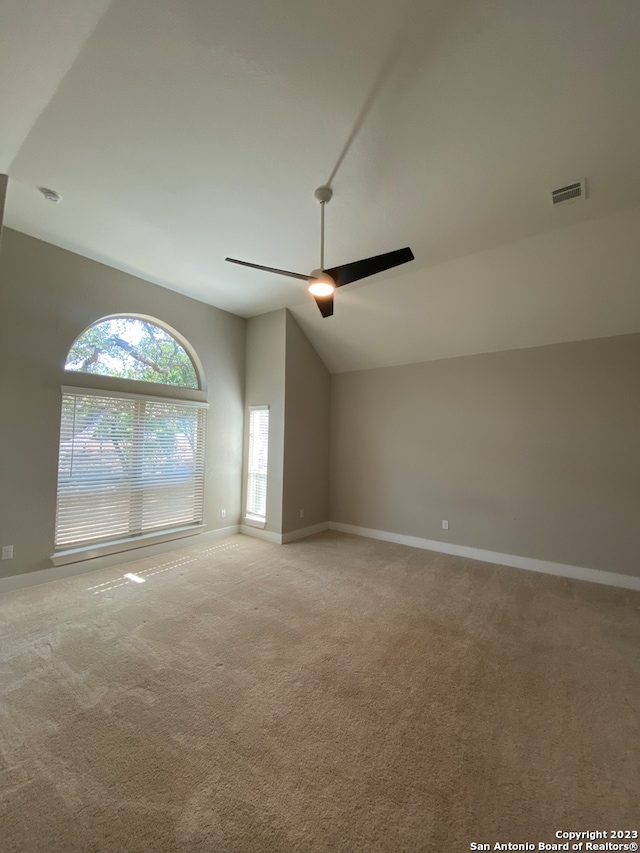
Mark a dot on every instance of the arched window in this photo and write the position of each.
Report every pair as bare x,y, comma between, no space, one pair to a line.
132,348
131,462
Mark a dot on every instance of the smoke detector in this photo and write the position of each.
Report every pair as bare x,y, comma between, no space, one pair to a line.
50,195
577,191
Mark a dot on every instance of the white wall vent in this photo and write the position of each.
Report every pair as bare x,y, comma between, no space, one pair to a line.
571,192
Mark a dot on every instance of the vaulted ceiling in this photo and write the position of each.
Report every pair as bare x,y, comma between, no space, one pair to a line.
182,131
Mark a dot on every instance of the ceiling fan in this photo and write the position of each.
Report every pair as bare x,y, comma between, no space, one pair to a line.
322,282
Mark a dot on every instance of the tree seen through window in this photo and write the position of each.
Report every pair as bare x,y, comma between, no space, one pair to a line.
132,348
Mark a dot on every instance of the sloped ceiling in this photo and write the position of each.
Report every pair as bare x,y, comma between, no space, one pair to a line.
182,131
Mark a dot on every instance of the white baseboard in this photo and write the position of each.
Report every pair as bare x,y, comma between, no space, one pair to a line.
283,538
257,533
529,563
304,532
69,570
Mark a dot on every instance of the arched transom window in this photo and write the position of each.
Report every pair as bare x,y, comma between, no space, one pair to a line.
132,348
131,463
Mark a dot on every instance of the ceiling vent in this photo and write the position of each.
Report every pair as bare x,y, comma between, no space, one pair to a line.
571,192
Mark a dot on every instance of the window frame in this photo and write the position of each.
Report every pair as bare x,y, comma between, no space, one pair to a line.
78,382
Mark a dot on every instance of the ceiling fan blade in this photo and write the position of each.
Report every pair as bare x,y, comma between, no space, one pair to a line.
268,269
325,304
346,273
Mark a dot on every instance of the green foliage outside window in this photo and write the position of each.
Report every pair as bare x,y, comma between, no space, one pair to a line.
132,349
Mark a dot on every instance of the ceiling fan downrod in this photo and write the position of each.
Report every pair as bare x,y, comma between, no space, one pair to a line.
323,195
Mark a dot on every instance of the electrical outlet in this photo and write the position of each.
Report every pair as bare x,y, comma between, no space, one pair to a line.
301,513
223,513
445,524
7,552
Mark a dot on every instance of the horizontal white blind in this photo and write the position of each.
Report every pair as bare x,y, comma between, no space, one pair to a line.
127,466
258,461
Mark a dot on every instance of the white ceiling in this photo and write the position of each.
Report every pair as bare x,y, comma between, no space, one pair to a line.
182,131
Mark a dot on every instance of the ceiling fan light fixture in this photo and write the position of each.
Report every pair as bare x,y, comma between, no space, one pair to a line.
321,284
321,288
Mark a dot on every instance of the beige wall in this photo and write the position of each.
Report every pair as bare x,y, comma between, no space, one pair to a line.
48,297
306,433
531,452
264,386
284,372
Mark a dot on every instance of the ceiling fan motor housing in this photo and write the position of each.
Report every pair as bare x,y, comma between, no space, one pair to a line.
323,194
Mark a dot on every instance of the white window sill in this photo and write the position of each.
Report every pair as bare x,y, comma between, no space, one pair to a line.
255,521
88,552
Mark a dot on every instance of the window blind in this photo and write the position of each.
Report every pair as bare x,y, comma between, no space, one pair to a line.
127,465
258,461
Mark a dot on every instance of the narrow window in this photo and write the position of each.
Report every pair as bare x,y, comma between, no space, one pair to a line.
257,464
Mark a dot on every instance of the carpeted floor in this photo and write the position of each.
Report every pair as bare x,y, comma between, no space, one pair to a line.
335,694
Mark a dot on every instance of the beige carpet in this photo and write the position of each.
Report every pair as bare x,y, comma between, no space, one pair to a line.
336,694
